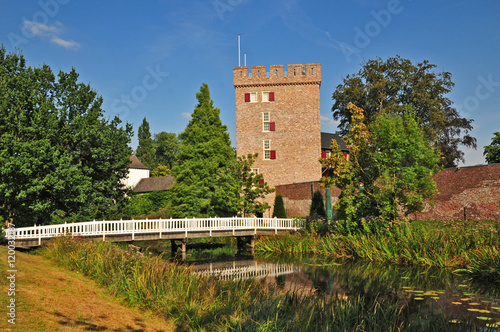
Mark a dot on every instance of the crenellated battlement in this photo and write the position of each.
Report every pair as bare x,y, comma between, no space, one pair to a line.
309,73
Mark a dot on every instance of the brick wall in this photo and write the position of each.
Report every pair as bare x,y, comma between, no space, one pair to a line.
295,112
298,197
475,189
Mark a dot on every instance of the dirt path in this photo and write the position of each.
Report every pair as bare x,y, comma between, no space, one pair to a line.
49,298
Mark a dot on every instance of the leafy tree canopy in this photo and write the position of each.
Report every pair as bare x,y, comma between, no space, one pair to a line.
390,85
60,160
166,148
389,170
492,151
160,170
279,207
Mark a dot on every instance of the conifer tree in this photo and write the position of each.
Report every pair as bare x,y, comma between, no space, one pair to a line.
145,150
317,205
279,207
205,151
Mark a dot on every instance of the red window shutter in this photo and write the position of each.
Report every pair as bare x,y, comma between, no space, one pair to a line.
345,155
273,154
272,126
271,96
261,181
323,154
247,97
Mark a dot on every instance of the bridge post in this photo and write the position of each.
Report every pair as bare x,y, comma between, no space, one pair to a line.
184,248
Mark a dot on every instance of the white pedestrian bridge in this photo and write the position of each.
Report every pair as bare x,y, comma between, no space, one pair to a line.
155,229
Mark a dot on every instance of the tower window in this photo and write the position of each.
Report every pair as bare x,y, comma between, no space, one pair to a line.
265,96
251,97
267,149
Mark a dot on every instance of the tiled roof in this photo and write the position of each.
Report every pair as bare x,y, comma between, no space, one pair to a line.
147,185
136,163
326,140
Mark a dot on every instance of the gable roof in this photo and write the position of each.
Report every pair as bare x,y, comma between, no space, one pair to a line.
136,163
147,185
326,140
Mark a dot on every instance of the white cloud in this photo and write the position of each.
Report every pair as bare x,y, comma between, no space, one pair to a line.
41,30
328,121
70,44
186,115
51,32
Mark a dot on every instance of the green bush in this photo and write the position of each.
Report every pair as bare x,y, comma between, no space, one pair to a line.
279,207
317,205
148,203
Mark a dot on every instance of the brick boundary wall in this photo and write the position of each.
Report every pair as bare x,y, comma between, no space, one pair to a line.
465,193
298,197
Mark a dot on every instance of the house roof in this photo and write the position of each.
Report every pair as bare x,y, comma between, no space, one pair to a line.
147,185
326,140
136,163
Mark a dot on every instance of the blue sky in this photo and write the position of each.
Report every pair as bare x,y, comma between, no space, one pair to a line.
149,58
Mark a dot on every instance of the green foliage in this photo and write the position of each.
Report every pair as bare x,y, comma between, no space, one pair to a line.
405,164
279,207
389,171
317,205
205,151
391,84
60,160
166,148
148,203
159,171
492,151
145,150
240,191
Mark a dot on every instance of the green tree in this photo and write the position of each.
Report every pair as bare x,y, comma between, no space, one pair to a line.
391,84
160,170
239,190
145,150
492,151
60,160
279,207
405,164
205,151
392,162
317,205
166,148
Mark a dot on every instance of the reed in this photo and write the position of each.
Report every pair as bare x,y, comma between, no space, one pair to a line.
199,303
472,246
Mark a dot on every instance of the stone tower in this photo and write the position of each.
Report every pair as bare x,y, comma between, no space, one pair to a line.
278,117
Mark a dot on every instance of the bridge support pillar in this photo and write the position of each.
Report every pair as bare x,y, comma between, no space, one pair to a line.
246,243
184,249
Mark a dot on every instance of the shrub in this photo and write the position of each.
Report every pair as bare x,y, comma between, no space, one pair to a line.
279,207
317,205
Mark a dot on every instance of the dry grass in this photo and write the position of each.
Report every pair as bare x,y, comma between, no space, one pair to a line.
49,298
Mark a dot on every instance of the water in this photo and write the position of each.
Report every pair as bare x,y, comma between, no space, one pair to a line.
422,289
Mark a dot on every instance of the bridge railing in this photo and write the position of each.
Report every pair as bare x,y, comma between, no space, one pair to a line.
114,227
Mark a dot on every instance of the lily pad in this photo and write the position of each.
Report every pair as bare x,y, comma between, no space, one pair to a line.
484,318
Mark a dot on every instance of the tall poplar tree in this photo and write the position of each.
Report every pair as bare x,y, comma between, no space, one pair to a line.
205,152
145,150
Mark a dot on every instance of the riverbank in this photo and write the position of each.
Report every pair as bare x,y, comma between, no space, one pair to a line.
194,302
49,298
470,247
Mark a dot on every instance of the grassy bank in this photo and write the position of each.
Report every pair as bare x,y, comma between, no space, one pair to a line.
197,303
49,298
471,247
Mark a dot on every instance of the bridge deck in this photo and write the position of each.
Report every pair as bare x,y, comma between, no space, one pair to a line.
154,229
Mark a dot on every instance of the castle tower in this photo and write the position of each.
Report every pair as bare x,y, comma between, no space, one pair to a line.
278,117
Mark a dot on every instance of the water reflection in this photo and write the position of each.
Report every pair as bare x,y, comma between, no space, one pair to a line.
418,289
